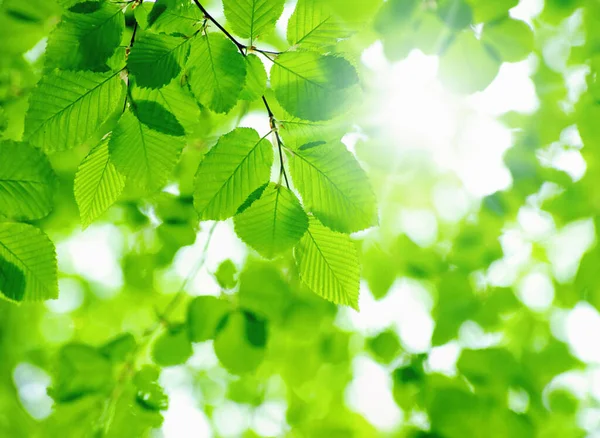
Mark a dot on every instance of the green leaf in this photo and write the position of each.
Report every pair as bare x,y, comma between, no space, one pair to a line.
85,41
334,187
274,223
467,65
149,393
119,348
144,156
12,281
204,315
156,117
98,184
217,72
33,254
235,167
256,79
27,182
173,347
66,108
156,59
81,370
175,17
511,39
252,18
485,11
225,274
240,344
264,291
457,14
312,25
296,132
313,86
174,99
328,264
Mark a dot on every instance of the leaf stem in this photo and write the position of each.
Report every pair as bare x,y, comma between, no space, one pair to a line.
244,51
127,50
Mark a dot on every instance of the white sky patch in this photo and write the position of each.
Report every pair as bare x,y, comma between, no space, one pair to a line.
32,385
461,134
223,245
94,254
582,328
536,290
566,248
406,308
370,394
269,419
70,297
231,419
183,418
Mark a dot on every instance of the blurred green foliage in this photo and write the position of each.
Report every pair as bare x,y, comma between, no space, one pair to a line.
168,326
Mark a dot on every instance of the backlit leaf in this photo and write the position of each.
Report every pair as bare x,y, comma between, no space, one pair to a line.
217,72
274,223
66,108
252,19
328,263
98,184
334,187
235,167
313,86
27,182
29,250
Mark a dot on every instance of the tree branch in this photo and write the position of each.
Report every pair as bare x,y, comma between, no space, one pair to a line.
244,51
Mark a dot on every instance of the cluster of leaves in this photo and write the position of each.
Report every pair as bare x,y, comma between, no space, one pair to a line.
143,99
136,96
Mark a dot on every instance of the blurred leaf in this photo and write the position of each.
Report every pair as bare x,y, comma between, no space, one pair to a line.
173,347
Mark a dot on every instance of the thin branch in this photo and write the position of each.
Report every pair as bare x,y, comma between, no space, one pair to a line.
127,50
241,47
128,369
244,51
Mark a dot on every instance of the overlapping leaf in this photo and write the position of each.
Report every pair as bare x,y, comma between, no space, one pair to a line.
173,98
156,59
511,39
333,186
86,39
98,184
328,263
313,86
144,156
235,167
27,182
66,108
468,65
313,25
256,79
274,223
175,17
30,254
217,72
252,18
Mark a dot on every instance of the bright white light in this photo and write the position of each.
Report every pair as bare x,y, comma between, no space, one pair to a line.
461,134
567,246
536,291
183,418
231,419
370,394
94,254
224,245
32,385
582,327
269,419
